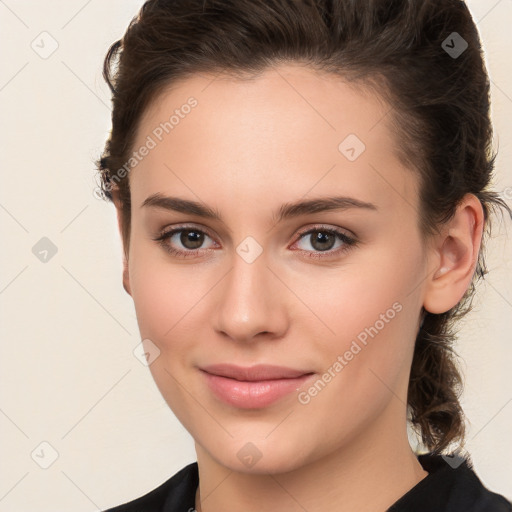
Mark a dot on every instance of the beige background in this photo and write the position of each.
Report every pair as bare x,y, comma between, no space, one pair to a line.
68,329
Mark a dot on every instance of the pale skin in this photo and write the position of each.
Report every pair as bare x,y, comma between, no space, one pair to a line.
247,148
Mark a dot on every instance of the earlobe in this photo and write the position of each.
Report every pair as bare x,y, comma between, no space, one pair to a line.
455,257
126,277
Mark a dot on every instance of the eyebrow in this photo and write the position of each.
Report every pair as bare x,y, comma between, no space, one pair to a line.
286,211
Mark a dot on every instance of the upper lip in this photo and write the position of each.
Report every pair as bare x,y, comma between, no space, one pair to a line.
254,373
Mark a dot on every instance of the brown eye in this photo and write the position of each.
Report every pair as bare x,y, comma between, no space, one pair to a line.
183,242
191,239
323,240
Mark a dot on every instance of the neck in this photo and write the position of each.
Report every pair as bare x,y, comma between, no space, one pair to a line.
369,472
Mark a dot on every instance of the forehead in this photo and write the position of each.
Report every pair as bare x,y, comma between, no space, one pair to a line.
289,129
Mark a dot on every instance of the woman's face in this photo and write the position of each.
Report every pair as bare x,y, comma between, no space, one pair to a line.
269,283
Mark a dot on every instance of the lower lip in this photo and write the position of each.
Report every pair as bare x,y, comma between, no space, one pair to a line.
252,395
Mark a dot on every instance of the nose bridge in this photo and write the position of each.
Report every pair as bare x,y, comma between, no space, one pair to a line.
249,301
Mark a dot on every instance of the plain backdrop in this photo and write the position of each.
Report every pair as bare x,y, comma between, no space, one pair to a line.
73,396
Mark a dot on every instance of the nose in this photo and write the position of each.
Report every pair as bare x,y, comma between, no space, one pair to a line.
252,302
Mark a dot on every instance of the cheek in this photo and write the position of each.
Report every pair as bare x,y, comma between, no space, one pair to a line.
366,362
371,310
155,299
171,303
166,303
156,293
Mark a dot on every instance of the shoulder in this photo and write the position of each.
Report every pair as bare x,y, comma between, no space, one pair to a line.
451,486
177,493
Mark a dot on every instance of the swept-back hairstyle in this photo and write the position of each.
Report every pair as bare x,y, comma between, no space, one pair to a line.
423,57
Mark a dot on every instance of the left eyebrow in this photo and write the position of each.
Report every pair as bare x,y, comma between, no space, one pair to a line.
286,211
290,210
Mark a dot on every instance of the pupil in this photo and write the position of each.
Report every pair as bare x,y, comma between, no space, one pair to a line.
187,237
323,237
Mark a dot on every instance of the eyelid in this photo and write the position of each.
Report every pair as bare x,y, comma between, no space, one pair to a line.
182,227
325,227
206,230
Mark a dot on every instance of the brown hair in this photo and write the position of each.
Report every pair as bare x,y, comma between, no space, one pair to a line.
405,51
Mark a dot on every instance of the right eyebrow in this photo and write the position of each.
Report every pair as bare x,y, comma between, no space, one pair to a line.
178,204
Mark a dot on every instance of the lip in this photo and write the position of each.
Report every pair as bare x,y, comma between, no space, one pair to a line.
258,372
253,387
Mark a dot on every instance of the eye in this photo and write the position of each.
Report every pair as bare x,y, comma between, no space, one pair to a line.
323,240
190,238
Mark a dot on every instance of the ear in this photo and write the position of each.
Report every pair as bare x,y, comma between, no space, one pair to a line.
454,256
119,206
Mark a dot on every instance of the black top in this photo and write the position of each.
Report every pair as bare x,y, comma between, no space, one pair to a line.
449,487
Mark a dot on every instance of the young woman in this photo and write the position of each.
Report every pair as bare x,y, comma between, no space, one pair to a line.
302,190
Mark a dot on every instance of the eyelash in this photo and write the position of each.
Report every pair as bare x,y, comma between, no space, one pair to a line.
348,242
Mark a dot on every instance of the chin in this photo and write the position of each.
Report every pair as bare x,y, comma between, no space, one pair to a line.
258,457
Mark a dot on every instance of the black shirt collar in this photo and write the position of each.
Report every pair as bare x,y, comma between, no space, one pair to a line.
451,486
